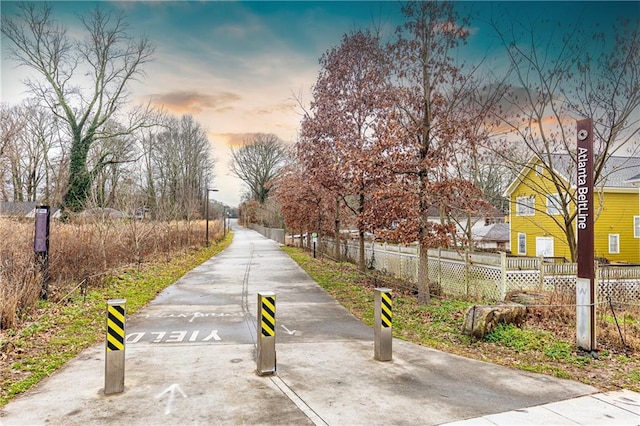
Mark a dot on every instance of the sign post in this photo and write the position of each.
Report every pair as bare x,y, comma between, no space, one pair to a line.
585,285
41,246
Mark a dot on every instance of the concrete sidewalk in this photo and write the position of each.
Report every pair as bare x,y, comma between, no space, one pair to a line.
190,359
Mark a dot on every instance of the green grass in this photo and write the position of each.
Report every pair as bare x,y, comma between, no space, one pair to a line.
439,324
350,287
79,323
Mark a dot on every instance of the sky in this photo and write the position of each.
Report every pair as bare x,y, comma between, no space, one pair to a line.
240,67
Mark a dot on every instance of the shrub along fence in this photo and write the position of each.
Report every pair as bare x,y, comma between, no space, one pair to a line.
487,276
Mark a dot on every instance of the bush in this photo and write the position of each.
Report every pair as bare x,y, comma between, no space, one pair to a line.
83,252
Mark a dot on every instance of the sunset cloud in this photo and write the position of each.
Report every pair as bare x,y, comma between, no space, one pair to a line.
186,102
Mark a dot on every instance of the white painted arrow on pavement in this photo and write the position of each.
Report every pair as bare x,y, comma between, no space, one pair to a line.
171,390
287,330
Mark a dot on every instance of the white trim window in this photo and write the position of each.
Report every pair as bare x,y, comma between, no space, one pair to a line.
522,243
554,204
614,243
636,227
525,206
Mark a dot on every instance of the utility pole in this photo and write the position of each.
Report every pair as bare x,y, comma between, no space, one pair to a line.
206,213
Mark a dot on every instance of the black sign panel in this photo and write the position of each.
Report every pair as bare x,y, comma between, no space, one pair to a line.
41,238
584,198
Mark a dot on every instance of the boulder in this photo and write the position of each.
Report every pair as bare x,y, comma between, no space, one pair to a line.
481,319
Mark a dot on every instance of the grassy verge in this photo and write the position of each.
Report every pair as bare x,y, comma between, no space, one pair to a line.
543,345
53,333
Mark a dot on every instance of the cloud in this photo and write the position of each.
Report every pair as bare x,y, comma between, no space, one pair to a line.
187,102
233,140
284,107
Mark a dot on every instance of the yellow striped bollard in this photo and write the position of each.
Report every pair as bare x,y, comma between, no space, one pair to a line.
383,324
114,347
266,346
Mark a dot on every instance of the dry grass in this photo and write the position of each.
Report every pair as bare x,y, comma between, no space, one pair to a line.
81,254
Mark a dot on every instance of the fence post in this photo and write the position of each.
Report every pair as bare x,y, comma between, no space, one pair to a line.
466,272
503,275
440,266
400,259
384,258
541,273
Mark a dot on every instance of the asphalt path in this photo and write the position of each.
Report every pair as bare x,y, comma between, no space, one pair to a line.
190,359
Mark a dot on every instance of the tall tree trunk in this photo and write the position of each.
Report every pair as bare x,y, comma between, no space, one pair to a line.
361,257
424,297
79,177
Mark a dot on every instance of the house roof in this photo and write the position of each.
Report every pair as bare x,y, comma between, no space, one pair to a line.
8,208
55,212
634,180
494,232
488,211
618,172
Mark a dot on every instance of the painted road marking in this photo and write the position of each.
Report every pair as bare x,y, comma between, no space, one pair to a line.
174,336
171,391
286,330
193,315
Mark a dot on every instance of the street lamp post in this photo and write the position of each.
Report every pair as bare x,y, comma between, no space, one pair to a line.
206,213
224,221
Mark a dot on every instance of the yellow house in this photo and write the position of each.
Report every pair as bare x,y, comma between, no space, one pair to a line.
536,216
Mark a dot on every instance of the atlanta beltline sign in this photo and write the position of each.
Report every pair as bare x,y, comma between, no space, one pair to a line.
585,285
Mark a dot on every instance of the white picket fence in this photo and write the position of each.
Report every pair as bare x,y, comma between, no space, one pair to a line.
484,276
489,276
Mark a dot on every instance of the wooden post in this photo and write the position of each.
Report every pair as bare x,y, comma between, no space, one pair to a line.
503,275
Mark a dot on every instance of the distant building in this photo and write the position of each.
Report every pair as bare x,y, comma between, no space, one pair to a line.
11,209
535,216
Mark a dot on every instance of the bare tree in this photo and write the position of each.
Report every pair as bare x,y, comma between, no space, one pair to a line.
258,162
118,153
426,129
29,137
182,166
555,78
339,144
106,57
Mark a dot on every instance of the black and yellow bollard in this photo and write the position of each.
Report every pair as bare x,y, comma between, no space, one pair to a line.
266,347
382,324
114,348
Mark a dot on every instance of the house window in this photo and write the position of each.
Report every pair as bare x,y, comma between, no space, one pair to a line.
636,227
554,204
525,206
522,243
614,243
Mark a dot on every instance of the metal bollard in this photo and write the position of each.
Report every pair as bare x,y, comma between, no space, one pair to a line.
114,348
266,349
382,324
